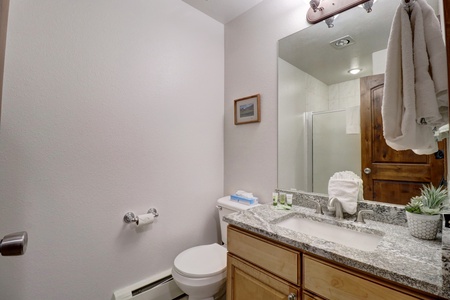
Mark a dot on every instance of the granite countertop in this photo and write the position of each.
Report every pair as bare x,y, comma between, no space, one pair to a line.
398,257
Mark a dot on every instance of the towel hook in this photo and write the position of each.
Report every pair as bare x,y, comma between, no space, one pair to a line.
408,5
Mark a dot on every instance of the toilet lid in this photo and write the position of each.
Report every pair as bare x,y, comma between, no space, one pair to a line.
202,261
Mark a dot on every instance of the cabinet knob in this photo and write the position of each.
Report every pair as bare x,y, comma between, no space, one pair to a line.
367,171
292,296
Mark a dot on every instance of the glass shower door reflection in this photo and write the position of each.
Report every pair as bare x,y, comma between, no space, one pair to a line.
333,148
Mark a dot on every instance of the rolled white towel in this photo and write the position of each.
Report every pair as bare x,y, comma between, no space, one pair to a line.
346,186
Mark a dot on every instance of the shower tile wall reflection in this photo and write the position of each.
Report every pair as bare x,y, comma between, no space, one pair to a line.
343,95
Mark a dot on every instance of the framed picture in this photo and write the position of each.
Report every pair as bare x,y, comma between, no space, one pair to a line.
247,110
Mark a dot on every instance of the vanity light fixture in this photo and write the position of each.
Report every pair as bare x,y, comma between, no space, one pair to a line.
330,21
321,10
354,71
315,5
368,5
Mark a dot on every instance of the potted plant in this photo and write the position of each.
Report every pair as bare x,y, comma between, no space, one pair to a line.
423,212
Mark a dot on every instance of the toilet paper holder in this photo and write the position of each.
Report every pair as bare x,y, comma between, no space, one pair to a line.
130,217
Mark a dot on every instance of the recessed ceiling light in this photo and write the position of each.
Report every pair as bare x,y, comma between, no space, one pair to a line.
342,42
354,71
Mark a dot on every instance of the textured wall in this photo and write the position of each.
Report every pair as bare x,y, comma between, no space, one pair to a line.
251,50
108,106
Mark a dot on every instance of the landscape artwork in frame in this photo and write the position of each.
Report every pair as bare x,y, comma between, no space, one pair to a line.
247,110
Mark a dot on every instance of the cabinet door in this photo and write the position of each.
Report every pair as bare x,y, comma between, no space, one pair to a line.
277,259
247,282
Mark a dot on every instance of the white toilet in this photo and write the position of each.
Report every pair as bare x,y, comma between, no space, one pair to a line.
201,271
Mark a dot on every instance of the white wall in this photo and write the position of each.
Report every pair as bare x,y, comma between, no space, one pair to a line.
298,92
379,59
251,50
292,101
109,106
345,94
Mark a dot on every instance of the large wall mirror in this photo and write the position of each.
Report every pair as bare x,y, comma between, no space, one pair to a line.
320,120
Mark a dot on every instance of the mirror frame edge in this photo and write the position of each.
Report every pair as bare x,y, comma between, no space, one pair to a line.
4,10
446,9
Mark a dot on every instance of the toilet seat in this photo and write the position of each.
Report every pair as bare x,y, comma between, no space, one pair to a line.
201,261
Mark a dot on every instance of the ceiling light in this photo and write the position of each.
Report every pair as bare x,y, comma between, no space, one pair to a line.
329,21
342,42
354,71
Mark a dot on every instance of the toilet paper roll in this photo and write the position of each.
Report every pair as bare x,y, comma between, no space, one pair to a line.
145,219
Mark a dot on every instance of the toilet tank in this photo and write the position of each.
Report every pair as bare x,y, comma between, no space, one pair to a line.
226,207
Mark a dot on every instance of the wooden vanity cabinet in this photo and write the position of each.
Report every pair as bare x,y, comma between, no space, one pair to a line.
261,269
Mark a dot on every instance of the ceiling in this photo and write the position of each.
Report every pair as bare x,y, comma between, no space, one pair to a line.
223,10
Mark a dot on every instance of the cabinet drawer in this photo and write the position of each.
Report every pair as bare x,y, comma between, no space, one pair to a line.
335,283
279,260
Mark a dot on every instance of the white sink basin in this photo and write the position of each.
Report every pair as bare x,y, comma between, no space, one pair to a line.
348,237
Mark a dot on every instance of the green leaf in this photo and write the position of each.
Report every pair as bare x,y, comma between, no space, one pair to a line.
431,201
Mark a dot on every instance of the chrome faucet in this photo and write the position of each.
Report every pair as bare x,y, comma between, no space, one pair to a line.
335,205
360,216
318,206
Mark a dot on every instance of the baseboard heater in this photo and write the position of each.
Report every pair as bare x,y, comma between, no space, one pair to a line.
158,287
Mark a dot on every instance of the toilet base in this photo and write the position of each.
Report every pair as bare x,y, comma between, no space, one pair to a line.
201,288
221,295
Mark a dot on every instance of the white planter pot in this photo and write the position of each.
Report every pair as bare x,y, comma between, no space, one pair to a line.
423,226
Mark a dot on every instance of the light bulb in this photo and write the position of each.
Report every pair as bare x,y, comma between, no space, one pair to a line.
354,71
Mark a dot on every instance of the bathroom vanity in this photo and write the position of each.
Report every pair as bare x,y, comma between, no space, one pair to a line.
269,261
